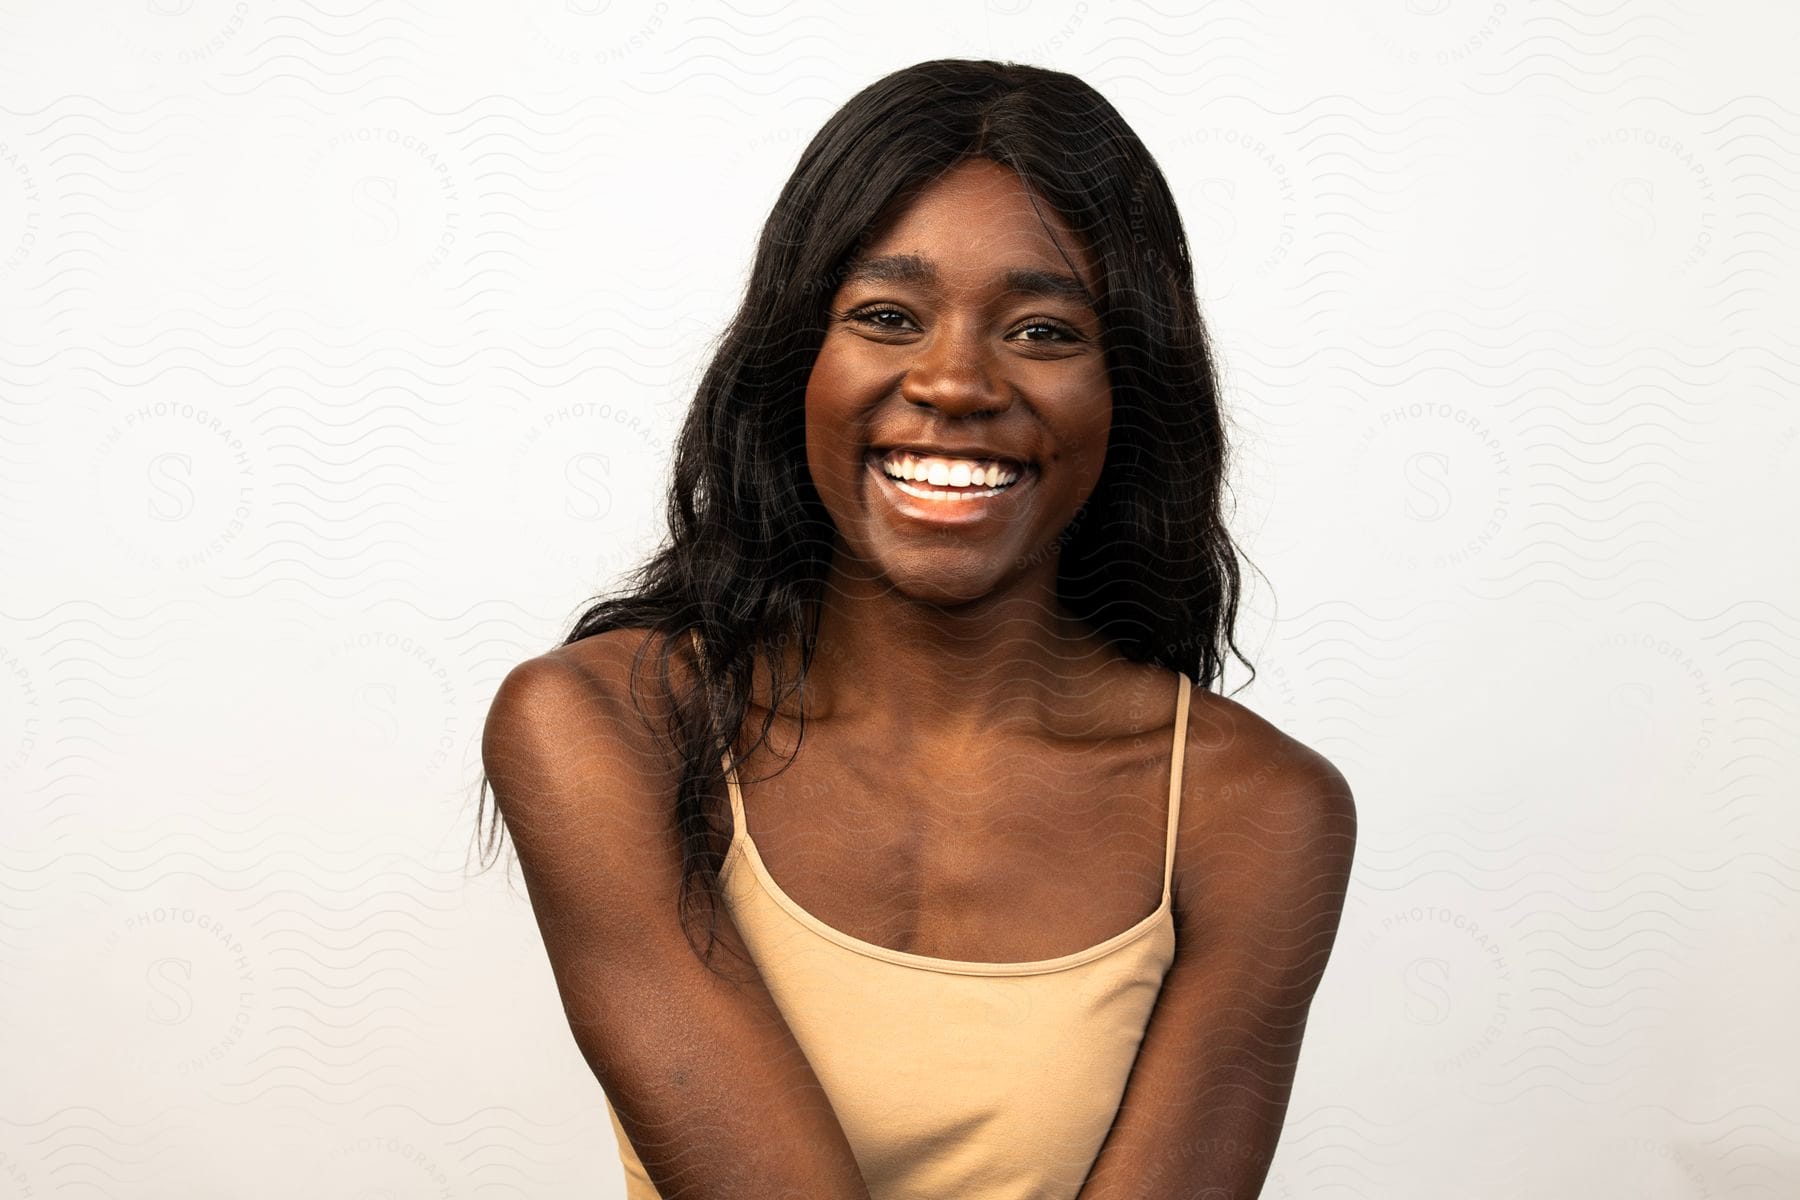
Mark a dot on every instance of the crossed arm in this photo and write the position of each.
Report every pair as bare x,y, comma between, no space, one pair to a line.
709,1083
1265,865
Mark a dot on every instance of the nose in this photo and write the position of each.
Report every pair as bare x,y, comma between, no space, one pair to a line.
956,370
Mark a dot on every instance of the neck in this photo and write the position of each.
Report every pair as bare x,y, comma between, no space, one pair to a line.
1014,660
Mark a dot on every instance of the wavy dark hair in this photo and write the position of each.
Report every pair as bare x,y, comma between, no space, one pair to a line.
1147,563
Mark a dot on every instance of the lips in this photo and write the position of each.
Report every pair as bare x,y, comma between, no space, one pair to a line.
978,453
973,511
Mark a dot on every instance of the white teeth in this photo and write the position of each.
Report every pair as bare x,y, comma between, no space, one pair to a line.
952,472
932,494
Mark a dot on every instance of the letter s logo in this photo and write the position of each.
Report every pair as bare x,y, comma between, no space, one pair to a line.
586,476
374,197
168,979
1428,495
1636,707
374,705
169,475
1634,203
1220,195
1428,991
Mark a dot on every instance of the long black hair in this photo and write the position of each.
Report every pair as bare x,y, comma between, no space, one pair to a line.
1148,562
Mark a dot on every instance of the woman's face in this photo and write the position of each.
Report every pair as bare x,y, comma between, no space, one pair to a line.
964,336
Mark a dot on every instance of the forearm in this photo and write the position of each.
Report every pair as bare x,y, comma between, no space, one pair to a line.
1226,1157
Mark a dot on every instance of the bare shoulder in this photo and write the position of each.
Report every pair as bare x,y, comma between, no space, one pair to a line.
619,662
707,1081
1261,811
610,654
577,724
1241,758
598,681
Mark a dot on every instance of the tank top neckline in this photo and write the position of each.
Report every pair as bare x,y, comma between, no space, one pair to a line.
744,847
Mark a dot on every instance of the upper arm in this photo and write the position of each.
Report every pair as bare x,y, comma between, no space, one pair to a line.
1265,863
704,1074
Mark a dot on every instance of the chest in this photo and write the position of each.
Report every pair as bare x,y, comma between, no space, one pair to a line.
1028,852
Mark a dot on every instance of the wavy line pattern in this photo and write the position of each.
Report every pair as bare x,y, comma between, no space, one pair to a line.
345,343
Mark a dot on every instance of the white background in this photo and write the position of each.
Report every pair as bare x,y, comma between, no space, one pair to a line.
343,350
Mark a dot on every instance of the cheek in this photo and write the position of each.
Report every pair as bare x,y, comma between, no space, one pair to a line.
1086,428
840,373
833,429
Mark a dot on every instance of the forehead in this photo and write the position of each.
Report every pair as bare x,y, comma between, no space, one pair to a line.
916,270
975,221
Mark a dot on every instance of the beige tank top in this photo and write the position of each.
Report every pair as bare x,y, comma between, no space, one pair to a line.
975,1080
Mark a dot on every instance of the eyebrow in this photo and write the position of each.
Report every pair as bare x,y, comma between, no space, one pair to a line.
1021,281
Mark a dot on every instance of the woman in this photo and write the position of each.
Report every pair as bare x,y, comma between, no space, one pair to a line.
1030,915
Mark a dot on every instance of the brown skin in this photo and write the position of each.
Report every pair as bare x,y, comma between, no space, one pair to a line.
959,362
1013,808
981,779
999,684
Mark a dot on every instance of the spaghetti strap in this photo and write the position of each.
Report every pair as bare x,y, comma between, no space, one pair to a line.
1175,761
867,1015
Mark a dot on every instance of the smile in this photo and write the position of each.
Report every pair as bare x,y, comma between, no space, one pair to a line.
949,492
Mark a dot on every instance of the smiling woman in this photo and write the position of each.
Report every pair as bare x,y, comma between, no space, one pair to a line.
983,311
1035,912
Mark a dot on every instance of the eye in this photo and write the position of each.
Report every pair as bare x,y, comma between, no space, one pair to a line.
1062,332
872,314
875,315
